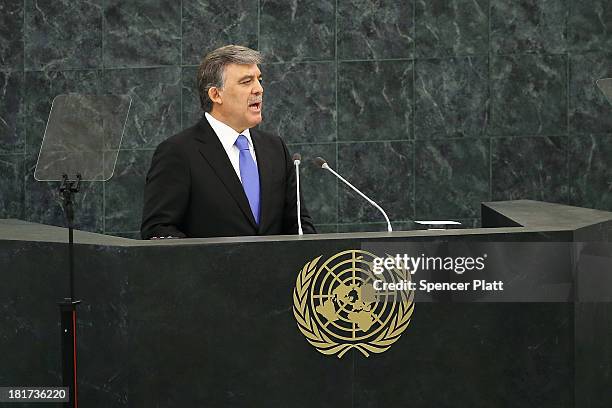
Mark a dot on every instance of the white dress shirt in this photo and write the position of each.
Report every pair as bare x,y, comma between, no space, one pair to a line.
228,137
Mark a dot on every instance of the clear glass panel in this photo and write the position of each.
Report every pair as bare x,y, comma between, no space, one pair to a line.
83,136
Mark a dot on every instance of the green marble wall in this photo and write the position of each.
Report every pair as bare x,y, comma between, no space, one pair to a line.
429,106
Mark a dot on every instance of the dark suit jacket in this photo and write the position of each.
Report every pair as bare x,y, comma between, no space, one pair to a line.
193,191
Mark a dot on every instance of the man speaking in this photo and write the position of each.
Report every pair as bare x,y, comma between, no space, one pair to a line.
221,177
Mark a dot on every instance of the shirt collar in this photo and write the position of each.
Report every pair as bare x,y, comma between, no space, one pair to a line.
225,133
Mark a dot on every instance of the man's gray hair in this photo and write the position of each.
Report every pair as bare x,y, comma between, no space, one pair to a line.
212,67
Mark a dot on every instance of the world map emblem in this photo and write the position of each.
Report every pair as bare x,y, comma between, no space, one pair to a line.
338,309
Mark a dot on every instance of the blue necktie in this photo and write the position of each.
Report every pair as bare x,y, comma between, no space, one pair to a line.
249,175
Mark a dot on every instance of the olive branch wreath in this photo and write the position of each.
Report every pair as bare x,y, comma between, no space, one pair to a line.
326,345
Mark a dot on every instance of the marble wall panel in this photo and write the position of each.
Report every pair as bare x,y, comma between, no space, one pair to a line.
208,25
451,97
401,71
381,170
374,29
589,110
298,30
300,101
12,135
449,28
533,168
452,178
375,100
528,95
123,195
319,188
590,173
64,34
191,112
141,33
11,34
529,25
11,187
155,113
590,25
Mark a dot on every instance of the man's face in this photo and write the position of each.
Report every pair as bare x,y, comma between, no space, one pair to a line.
239,102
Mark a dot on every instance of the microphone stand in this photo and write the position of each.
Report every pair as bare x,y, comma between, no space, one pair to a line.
297,159
68,305
323,164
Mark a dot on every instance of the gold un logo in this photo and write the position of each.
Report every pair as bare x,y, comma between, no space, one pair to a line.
337,308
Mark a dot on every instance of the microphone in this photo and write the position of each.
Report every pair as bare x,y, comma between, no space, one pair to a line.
297,160
322,163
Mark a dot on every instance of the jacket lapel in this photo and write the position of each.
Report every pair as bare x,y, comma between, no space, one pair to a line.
214,153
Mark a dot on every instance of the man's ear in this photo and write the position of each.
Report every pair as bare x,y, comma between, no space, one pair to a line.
215,95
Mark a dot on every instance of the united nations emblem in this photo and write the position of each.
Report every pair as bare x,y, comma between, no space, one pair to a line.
338,309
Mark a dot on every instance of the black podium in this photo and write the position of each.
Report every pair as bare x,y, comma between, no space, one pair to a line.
211,323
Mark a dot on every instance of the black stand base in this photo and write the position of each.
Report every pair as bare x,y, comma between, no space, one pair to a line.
69,351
